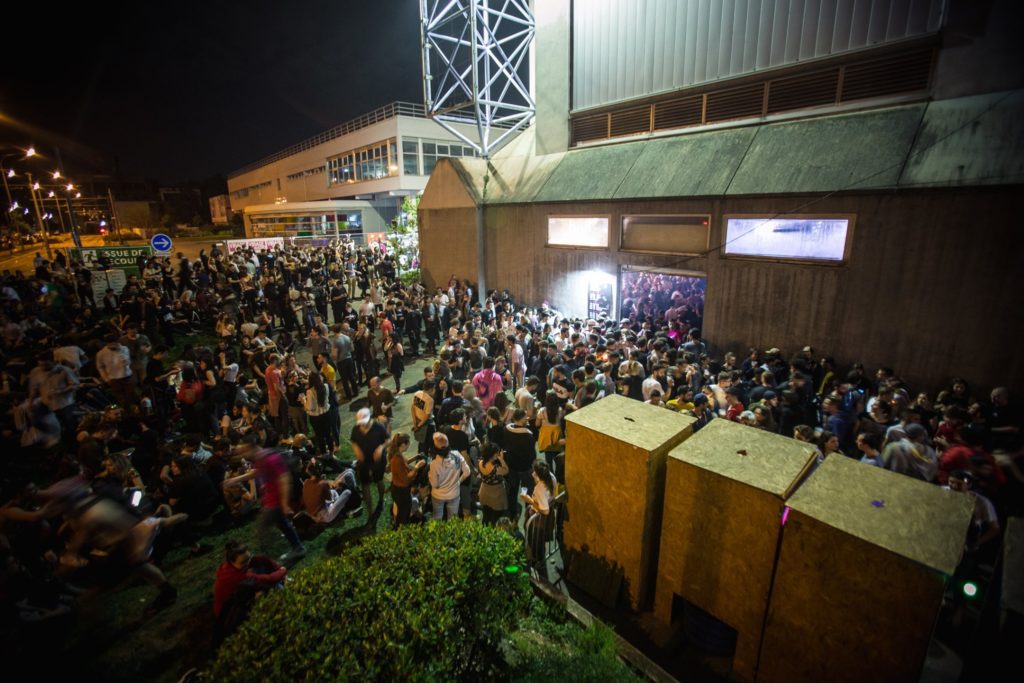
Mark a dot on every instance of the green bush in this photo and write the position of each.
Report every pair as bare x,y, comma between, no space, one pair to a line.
424,603
410,277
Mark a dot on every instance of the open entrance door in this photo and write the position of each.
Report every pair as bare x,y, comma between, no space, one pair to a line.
663,296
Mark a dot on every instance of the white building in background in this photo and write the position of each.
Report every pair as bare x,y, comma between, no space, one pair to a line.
350,179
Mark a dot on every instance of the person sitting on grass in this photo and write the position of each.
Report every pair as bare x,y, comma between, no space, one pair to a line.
240,580
325,499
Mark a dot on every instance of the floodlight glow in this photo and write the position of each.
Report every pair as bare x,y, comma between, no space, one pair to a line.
70,187
35,186
30,152
10,173
970,589
56,175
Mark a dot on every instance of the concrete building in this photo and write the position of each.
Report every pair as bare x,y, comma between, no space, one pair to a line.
844,175
349,179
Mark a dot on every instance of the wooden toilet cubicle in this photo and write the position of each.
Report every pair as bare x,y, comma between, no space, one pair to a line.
726,490
863,565
615,455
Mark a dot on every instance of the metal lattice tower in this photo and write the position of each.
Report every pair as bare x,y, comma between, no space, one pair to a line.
475,53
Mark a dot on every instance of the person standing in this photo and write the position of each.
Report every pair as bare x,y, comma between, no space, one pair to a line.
269,468
423,414
402,477
276,402
113,362
342,350
369,438
520,452
447,470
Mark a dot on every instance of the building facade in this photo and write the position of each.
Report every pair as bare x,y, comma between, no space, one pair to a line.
349,179
843,175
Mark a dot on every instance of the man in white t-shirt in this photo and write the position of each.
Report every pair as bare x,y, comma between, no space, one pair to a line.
423,414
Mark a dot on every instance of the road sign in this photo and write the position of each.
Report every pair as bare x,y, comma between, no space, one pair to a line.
161,243
126,258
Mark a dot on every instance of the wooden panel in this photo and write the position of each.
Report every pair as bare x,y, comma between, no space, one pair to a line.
855,312
890,510
447,244
844,610
725,488
617,486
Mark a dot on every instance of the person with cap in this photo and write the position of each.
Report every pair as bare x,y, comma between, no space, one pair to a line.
447,471
702,411
369,439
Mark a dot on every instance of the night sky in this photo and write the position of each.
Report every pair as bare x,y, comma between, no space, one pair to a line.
189,90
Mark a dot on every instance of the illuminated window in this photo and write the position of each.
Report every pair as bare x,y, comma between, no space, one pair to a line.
578,231
802,238
374,162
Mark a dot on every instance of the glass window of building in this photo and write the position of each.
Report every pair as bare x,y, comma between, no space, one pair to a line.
376,161
578,231
411,156
810,238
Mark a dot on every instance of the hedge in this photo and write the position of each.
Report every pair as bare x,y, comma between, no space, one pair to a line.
424,603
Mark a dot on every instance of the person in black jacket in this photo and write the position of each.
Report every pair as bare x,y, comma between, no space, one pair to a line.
520,453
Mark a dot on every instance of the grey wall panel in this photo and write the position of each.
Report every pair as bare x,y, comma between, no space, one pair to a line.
625,49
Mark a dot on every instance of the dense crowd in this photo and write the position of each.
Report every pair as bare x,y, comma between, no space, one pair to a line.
214,389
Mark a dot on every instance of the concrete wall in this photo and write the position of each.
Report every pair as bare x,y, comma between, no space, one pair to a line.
549,78
315,187
927,288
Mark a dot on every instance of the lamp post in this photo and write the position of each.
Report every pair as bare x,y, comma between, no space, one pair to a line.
32,188
8,173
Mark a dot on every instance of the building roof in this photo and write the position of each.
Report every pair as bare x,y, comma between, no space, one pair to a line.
966,141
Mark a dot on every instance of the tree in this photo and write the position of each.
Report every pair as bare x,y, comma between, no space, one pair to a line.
404,236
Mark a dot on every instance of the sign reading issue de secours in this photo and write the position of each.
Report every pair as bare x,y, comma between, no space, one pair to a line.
124,258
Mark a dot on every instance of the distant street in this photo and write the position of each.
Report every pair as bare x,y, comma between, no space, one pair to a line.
21,259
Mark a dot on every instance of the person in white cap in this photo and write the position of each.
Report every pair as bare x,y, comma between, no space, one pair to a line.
369,438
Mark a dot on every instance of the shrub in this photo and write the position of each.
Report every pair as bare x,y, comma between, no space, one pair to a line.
425,603
410,277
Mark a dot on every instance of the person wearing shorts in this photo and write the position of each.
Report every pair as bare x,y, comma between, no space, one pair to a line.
369,439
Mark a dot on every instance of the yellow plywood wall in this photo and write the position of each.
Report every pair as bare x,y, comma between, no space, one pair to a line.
846,610
860,575
724,495
718,543
616,487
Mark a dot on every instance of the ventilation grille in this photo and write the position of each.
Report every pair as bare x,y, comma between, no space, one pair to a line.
737,103
798,92
909,73
631,121
906,72
593,127
677,113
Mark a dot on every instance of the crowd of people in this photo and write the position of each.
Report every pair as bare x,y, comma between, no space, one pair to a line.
215,389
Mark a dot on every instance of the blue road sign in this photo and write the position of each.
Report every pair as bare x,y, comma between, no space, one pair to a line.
161,242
